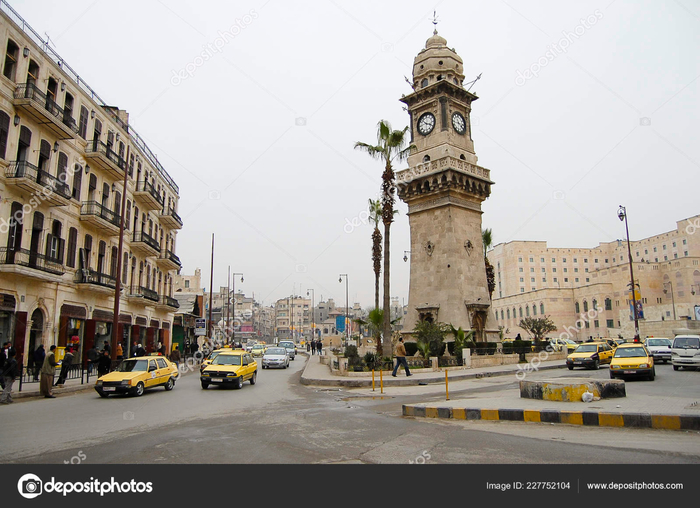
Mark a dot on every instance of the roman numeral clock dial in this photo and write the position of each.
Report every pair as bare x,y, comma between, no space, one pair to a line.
426,123
459,124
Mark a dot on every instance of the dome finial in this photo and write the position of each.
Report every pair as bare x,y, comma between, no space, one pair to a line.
435,22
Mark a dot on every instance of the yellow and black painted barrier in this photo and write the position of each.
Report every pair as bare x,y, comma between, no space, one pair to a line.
588,418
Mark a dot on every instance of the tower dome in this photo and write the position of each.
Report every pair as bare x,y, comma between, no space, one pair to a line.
437,62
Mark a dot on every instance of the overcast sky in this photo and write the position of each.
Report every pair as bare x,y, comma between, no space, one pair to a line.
259,134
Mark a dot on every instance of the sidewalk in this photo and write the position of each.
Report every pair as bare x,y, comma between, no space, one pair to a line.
639,411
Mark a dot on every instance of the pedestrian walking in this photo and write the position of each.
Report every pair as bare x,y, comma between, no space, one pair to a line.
120,351
65,367
9,374
39,356
107,347
92,357
48,371
3,359
313,347
104,364
308,346
175,355
401,358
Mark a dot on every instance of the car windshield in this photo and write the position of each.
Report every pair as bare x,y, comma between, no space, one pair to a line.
133,366
569,341
286,344
629,352
587,348
227,360
276,351
687,343
658,342
214,354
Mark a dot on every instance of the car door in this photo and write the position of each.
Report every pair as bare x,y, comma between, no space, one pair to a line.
152,378
245,369
607,354
253,364
163,371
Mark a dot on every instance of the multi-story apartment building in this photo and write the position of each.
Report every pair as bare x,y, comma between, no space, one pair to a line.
64,154
293,318
586,291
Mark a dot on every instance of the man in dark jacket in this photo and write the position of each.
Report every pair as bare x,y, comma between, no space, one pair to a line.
104,364
92,356
9,373
48,370
65,366
3,359
39,356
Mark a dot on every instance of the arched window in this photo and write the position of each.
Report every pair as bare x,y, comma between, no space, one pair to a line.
595,304
101,253
527,311
44,156
585,306
542,309
11,57
520,312
426,158
4,131
424,82
77,181
508,313
72,247
608,304
534,309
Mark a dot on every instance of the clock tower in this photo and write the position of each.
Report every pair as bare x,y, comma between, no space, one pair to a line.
444,188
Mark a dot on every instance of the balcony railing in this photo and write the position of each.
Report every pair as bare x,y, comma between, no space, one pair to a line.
95,146
23,169
85,276
24,257
40,100
144,186
169,301
140,236
96,209
172,257
148,294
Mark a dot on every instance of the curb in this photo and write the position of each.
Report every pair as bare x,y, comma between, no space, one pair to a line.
439,379
587,418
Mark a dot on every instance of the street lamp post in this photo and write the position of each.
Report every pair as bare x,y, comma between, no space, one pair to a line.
233,315
673,299
622,215
346,304
313,316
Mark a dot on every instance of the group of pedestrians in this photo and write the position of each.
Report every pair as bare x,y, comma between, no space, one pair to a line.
315,347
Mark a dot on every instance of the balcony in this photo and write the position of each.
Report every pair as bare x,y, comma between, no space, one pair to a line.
148,196
31,264
144,244
167,303
170,219
143,295
102,156
43,186
96,281
43,110
100,216
168,261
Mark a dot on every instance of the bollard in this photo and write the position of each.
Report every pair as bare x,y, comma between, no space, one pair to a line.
381,381
372,379
447,391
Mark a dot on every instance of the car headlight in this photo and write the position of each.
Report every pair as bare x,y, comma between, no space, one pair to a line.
644,366
126,382
231,375
615,367
99,383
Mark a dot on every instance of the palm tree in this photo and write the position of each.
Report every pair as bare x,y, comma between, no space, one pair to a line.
487,238
375,215
390,146
375,324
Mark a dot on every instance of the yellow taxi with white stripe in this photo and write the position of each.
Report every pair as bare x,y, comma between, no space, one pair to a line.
230,368
135,375
590,355
632,359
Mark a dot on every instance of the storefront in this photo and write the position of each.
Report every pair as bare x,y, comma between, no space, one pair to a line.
138,333
71,331
7,318
152,336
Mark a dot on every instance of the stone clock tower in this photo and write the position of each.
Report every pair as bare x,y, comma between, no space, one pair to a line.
444,188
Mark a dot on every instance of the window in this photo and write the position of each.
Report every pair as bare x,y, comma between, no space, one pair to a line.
522,290
72,246
62,168
608,304
554,270
654,249
544,279
576,279
596,324
508,313
4,131
532,270
554,260
595,260
502,314
563,260
520,270
610,323
522,279
527,311
187,284
11,56
555,279
532,279
541,260
585,306
575,260
664,247
82,122
578,308
534,310
585,260
55,244
520,260
520,311
595,304
532,260
542,309
77,182
543,270
684,242
566,270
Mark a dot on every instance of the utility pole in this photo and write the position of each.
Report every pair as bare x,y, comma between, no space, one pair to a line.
211,284
118,285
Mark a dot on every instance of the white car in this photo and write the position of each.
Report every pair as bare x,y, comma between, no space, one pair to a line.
275,357
290,347
660,348
686,352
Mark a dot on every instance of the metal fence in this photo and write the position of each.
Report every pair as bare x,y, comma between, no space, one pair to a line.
31,374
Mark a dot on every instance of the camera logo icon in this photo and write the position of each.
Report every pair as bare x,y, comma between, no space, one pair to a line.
300,121
30,486
214,195
128,415
645,121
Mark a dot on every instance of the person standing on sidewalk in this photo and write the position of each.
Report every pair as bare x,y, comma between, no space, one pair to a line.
92,357
39,356
175,355
48,371
104,364
9,374
65,366
401,358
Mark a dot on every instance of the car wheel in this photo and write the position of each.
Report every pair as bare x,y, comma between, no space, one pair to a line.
239,383
205,385
254,378
103,394
571,367
676,367
139,389
596,365
169,385
612,376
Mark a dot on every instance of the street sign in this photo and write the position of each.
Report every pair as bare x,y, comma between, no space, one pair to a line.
200,327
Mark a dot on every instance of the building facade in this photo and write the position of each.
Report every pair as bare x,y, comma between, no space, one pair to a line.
64,155
586,291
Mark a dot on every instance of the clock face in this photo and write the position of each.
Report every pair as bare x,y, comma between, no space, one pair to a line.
459,123
426,123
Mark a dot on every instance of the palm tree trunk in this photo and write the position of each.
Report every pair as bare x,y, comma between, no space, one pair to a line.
386,338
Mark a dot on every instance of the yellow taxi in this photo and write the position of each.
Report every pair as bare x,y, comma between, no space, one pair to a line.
212,355
590,355
632,359
258,349
230,368
135,375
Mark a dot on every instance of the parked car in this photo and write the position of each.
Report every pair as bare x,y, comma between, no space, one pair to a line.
590,355
559,344
290,347
230,368
275,357
685,352
632,359
135,375
660,348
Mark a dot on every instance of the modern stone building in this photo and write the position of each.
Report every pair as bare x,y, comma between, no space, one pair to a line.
591,286
444,188
64,153
293,318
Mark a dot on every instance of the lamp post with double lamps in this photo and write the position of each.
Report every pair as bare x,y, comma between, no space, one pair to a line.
622,215
233,314
673,299
313,314
346,305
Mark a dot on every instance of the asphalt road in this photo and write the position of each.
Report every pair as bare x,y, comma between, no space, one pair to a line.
279,421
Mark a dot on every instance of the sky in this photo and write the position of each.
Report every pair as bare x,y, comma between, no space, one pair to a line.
254,107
